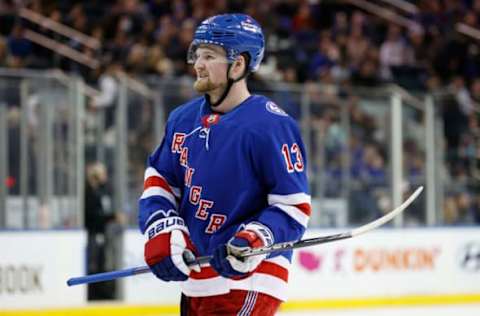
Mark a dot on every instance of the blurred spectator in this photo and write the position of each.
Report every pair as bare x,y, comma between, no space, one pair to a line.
13,122
108,86
459,209
158,63
19,48
325,57
457,123
421,50
289,99
100,122
458,88
303,20
357,46
475,91
366,74
77,19
310,42
3,51
98,215
394,52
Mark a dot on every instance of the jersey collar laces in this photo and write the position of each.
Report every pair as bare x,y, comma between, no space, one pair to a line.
205,133
204,130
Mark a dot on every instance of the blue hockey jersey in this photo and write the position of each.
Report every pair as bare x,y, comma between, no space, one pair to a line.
220,172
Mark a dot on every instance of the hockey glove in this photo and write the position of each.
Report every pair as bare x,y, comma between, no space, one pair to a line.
227,260
167,245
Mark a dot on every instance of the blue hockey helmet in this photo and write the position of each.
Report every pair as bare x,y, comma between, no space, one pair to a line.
236,33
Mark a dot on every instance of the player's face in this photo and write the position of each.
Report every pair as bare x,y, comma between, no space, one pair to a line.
211,66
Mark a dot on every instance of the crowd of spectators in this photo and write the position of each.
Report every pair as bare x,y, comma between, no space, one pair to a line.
328,43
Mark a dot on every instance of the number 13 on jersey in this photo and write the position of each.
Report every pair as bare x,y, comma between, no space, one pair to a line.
293,158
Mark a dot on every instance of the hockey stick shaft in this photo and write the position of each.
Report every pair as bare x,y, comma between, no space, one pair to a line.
107,276
329,238
202,261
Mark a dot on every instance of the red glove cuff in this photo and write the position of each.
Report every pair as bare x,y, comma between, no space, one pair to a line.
254,241
157,248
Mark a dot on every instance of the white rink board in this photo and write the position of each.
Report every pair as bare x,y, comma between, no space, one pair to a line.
415,262
35,265
389,262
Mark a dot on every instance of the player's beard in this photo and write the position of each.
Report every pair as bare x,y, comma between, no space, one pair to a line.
205,85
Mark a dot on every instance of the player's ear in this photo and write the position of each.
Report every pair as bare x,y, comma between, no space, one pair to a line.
240,65
239,61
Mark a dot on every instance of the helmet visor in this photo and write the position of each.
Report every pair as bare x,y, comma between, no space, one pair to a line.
210,52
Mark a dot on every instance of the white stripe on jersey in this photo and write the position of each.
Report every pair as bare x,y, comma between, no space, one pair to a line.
289,199
295,213
288,202
150,171
159,191
259,282
263,283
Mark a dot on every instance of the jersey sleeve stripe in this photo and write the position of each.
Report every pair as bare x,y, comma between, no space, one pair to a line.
289,199
305,208
159,191
295,213
152,173
155,181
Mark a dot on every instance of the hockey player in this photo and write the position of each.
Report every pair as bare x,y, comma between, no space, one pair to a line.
229,174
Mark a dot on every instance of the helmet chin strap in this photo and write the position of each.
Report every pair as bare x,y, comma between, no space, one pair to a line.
230,83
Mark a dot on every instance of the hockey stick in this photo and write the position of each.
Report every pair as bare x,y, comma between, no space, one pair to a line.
107,276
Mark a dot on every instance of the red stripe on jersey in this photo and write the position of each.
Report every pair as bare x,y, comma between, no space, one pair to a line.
273,269
205,273
306,208
265,267
155,181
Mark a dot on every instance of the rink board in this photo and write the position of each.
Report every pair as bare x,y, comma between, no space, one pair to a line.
34,266
386,263
383,268
389,263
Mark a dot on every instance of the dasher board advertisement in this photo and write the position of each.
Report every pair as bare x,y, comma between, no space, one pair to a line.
389,263
34,266
384,263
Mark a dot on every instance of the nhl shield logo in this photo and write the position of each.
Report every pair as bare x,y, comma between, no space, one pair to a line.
275,109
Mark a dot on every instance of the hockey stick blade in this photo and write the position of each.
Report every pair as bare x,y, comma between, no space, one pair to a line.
203,261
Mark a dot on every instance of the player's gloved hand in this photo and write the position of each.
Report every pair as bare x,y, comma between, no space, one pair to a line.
167,248
227,260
